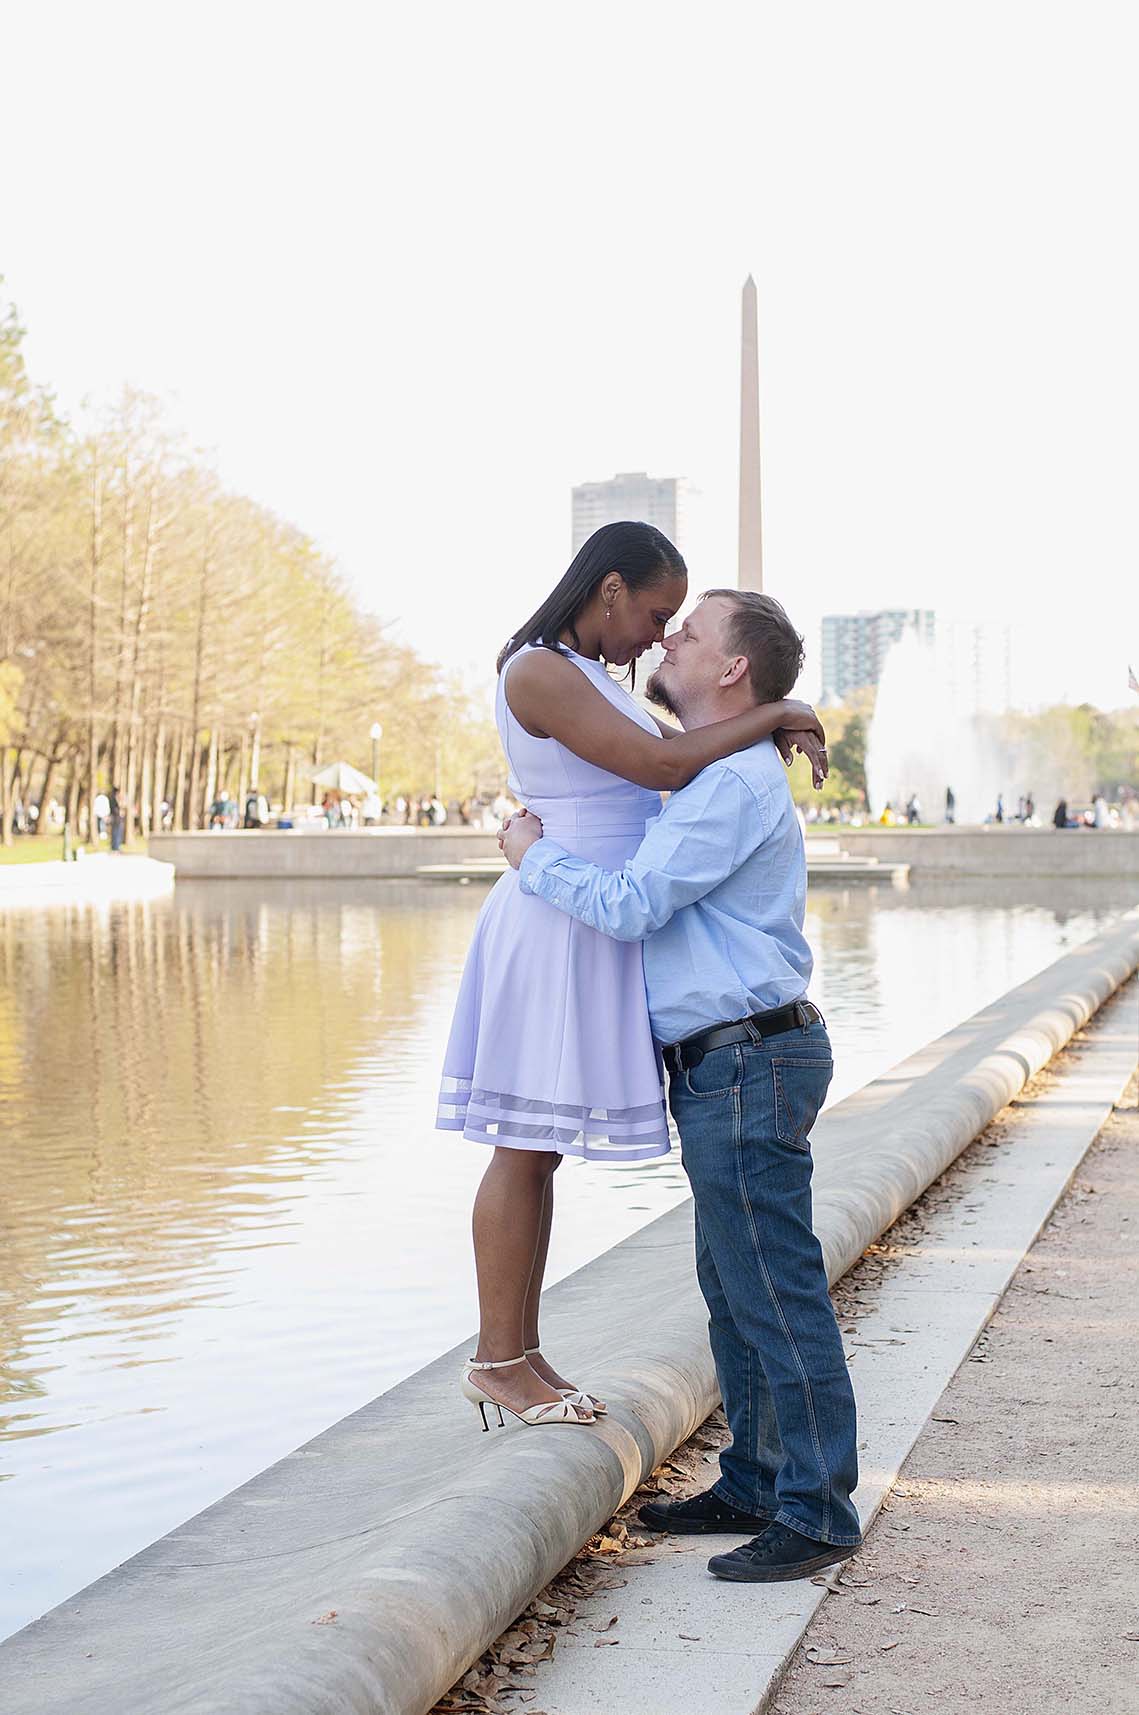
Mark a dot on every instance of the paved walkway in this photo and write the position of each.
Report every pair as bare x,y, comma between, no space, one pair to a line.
1014,1527
1001,1572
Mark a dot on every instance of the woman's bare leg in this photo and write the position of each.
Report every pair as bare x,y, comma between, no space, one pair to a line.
533,1296
538,1271
508,1228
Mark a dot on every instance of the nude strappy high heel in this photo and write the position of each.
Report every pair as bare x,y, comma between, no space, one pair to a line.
575,1395
548,1411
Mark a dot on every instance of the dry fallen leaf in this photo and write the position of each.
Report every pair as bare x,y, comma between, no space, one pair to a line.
325,1619
824,1655
602,1642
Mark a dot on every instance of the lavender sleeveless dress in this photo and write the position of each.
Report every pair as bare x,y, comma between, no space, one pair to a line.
551,1047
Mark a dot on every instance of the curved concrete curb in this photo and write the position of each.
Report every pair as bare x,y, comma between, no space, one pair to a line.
365,1571
100,876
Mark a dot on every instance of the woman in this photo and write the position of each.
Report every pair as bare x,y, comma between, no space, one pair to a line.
550,1052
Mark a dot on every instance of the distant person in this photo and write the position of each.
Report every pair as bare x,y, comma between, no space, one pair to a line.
436,812
102,811
1029,808
253,802
950,805
1100,816
371,809
1060,814
913,810
115,811
1000,813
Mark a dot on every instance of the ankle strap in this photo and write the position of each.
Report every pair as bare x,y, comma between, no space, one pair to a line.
502,1364
530,1351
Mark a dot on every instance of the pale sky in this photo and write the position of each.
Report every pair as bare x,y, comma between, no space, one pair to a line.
412,272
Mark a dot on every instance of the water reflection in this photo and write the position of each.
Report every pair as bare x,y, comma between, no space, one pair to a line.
228,1218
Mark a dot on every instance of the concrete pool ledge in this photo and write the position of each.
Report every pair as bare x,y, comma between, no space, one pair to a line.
362,1573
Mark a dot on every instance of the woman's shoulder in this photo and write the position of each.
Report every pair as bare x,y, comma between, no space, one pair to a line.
535,666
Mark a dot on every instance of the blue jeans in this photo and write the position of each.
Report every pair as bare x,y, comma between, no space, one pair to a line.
745,1114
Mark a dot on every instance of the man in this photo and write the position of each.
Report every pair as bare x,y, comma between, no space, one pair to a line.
118,820
716,891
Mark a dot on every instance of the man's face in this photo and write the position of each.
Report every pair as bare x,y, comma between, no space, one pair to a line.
695,657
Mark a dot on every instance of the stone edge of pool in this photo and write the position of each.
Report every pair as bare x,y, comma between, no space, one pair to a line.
363,1572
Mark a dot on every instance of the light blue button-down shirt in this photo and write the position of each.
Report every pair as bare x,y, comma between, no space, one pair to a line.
716,890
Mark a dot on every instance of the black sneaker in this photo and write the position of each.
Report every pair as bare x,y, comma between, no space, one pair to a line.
777,1555
700,1515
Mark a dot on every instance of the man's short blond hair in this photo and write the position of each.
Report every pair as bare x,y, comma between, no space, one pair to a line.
759,628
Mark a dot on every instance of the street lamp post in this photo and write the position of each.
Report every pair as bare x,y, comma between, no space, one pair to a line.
377,735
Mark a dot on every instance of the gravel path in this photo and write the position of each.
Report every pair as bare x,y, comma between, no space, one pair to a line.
1001,1573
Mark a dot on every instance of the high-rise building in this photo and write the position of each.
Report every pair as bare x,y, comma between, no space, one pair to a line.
659,500
970,662
855,645
974,663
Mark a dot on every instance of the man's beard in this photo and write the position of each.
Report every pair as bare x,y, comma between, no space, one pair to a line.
656,694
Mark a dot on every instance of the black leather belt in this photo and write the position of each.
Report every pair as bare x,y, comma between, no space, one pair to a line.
679,1056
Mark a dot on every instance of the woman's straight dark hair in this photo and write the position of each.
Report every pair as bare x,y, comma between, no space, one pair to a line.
640,552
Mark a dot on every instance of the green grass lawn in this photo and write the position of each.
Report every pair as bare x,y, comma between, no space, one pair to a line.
48,848
33,848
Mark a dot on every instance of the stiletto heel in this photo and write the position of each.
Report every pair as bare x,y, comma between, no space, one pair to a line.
548,1411
575,1395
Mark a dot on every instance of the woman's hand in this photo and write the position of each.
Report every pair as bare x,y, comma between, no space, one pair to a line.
787,743
800,717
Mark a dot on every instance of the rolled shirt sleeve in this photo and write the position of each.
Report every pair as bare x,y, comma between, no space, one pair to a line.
703,834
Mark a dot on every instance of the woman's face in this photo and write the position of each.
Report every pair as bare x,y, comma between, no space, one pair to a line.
639,618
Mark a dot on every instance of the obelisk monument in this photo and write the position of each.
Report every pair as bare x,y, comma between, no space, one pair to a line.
751,513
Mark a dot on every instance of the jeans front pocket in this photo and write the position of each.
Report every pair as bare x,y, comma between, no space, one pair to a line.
718,1073
800,1088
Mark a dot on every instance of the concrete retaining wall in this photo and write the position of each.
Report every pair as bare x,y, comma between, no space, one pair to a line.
319,853
387,852
365,1571
998,850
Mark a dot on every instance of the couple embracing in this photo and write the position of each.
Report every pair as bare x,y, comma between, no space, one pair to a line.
624,930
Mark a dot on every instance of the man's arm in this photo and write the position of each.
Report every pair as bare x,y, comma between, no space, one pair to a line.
704,833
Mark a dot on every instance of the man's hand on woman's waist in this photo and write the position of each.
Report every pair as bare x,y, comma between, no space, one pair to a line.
519,832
